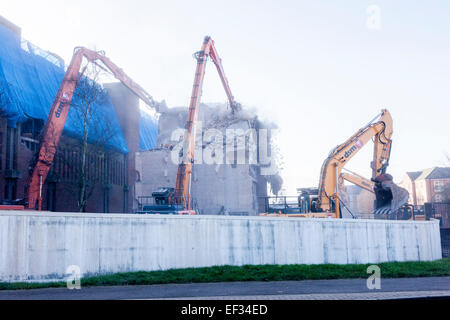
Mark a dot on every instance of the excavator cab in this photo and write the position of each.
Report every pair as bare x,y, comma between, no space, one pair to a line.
307,200
162,196
163,201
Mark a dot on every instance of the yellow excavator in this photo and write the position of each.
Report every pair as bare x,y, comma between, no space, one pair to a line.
326,200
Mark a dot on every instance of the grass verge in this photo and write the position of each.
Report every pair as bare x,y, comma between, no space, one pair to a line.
254,273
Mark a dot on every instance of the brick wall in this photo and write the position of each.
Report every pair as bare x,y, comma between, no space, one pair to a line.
114,194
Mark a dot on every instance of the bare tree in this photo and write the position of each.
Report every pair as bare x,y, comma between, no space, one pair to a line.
447,186
87,157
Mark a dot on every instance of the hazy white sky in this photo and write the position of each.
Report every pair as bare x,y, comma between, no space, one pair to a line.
313,67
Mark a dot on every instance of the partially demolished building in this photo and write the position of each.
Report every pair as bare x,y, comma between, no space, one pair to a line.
233,161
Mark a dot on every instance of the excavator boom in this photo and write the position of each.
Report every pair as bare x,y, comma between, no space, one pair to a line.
59,111
182,186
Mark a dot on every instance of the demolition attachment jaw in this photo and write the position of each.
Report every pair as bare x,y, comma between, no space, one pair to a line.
389,197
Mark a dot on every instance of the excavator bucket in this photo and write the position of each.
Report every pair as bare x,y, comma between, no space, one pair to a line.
389,196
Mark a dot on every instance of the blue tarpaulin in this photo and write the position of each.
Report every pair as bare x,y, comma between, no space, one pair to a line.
148,132
29,81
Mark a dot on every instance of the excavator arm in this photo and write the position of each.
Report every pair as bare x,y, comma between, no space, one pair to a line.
58,114
380,129
358,180
182,186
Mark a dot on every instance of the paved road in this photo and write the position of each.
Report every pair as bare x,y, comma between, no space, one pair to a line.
314,289
334,296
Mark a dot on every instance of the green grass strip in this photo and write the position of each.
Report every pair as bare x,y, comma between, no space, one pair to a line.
254,273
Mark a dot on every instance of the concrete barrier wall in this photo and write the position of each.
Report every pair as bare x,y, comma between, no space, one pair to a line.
40,247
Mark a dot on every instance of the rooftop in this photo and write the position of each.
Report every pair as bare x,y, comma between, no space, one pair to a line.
431,173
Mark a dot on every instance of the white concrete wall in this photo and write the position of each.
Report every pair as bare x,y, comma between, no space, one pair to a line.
40,246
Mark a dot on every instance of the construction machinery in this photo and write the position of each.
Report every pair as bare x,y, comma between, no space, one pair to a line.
181,195
326,201
389,197
59,111
161,202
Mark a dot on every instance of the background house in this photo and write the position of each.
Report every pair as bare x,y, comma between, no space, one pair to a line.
429,185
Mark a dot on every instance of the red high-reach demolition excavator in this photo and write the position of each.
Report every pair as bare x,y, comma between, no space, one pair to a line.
59,111
183,184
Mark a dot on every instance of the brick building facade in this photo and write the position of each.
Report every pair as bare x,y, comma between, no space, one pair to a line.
430,185
110,172
113,173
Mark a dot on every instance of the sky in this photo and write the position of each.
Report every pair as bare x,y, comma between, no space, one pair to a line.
320,70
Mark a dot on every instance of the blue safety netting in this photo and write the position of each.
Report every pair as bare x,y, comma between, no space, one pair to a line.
29,81
148,131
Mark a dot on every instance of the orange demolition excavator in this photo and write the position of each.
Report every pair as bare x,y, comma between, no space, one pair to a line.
59,111
183,183
178,200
